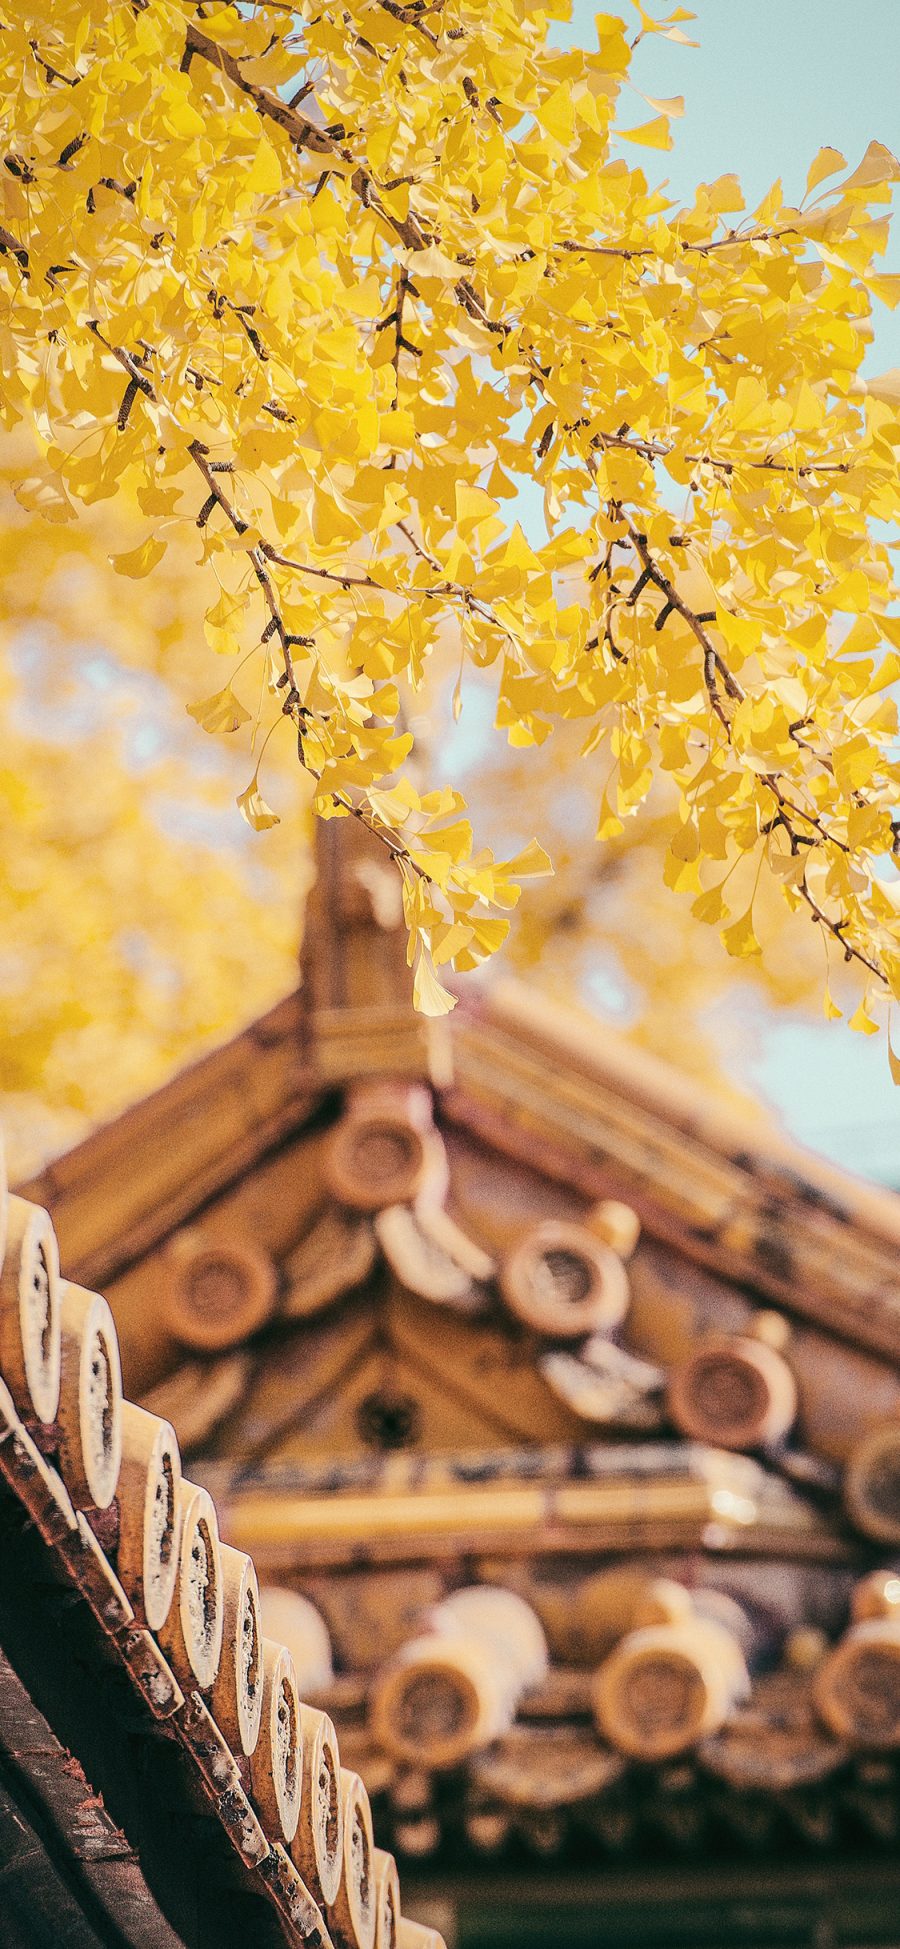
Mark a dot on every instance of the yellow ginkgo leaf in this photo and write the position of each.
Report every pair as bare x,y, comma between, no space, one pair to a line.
429,997
650,135
885,285
318,337
664,104
886,386
862,1021
45,497
531,863
879,165
825,164
137,562
254,809
264,176
893,1061
223,711
740,939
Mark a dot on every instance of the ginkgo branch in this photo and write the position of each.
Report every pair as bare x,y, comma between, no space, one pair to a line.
838,929
630,251
292,706
714,665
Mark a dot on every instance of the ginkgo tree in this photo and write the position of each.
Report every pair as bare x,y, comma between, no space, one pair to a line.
139,924
324,286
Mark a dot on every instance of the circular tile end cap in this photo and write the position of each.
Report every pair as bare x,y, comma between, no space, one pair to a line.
217,1289
30,1343
385,1151
437,1702
192,1633
857,1689
356,1907
237,1694
149,1513
563,1282
90,1397
733,1393
276,1765
318,1845
387,1899
872,1484
667,1687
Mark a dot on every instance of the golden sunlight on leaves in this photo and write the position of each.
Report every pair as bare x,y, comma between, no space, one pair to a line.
313,294
429,996
254,809
222,712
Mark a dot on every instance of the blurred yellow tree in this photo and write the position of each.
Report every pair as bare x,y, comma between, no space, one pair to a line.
135,926
323,287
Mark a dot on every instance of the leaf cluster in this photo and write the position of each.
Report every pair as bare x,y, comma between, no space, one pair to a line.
323,287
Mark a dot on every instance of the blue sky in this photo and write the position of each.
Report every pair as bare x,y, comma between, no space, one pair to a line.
771,83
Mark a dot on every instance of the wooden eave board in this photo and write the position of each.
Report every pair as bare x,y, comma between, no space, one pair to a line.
541,1085
116,1194
82,1861
568,1039
438,1516
269,1204
73,1673
843,1388
743,1203
331,1426
471,1386
296,1373
484,1364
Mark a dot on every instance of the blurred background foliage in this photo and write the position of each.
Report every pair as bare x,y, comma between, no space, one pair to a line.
141,921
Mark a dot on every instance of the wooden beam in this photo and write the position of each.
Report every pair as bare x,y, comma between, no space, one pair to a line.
356,985
125,1187
515,1519
82,1858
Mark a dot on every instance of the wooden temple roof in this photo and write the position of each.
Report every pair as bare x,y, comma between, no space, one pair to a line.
500,1311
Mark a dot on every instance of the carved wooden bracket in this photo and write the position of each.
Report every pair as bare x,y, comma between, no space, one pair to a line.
606,1385
433,1257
